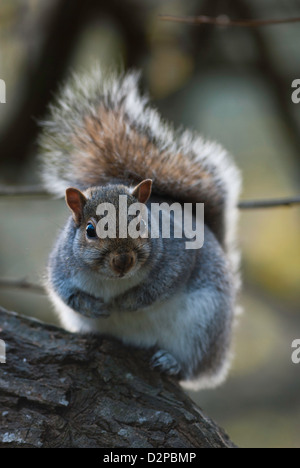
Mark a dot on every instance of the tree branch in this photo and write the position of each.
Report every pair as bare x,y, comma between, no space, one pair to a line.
276,203
223,20
41,78
21,284
21,190
278,83
38,190
59,389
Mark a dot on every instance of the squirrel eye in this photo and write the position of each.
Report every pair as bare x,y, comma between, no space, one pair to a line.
91,230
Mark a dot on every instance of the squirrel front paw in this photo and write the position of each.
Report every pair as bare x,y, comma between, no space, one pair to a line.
88,305
165,362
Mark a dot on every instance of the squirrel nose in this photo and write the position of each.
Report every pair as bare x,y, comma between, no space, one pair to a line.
123,262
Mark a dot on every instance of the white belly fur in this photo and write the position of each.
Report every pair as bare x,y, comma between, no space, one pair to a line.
154,326
172,325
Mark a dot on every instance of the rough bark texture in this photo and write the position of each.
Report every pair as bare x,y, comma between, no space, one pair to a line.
63,390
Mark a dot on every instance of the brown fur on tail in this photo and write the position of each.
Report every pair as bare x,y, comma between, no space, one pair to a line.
113,149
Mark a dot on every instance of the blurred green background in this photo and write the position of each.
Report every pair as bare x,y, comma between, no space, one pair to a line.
232,85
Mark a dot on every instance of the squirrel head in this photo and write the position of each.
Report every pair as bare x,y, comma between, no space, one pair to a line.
110,225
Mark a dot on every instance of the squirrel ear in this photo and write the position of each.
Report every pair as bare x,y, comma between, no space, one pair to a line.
143,191
75,201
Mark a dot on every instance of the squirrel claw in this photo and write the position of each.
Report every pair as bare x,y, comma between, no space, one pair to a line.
165,362
94,314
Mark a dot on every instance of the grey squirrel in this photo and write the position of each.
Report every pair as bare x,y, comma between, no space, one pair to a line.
103,140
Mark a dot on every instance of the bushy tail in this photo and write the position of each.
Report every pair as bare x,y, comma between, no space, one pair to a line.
101,127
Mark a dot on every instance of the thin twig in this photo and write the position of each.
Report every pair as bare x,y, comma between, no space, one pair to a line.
243,205
223,20
37,190
21,284
253,204
22,190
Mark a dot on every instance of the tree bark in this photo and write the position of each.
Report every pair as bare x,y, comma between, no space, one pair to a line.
59,389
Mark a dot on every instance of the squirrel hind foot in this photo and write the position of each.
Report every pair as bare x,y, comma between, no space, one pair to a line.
165,362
